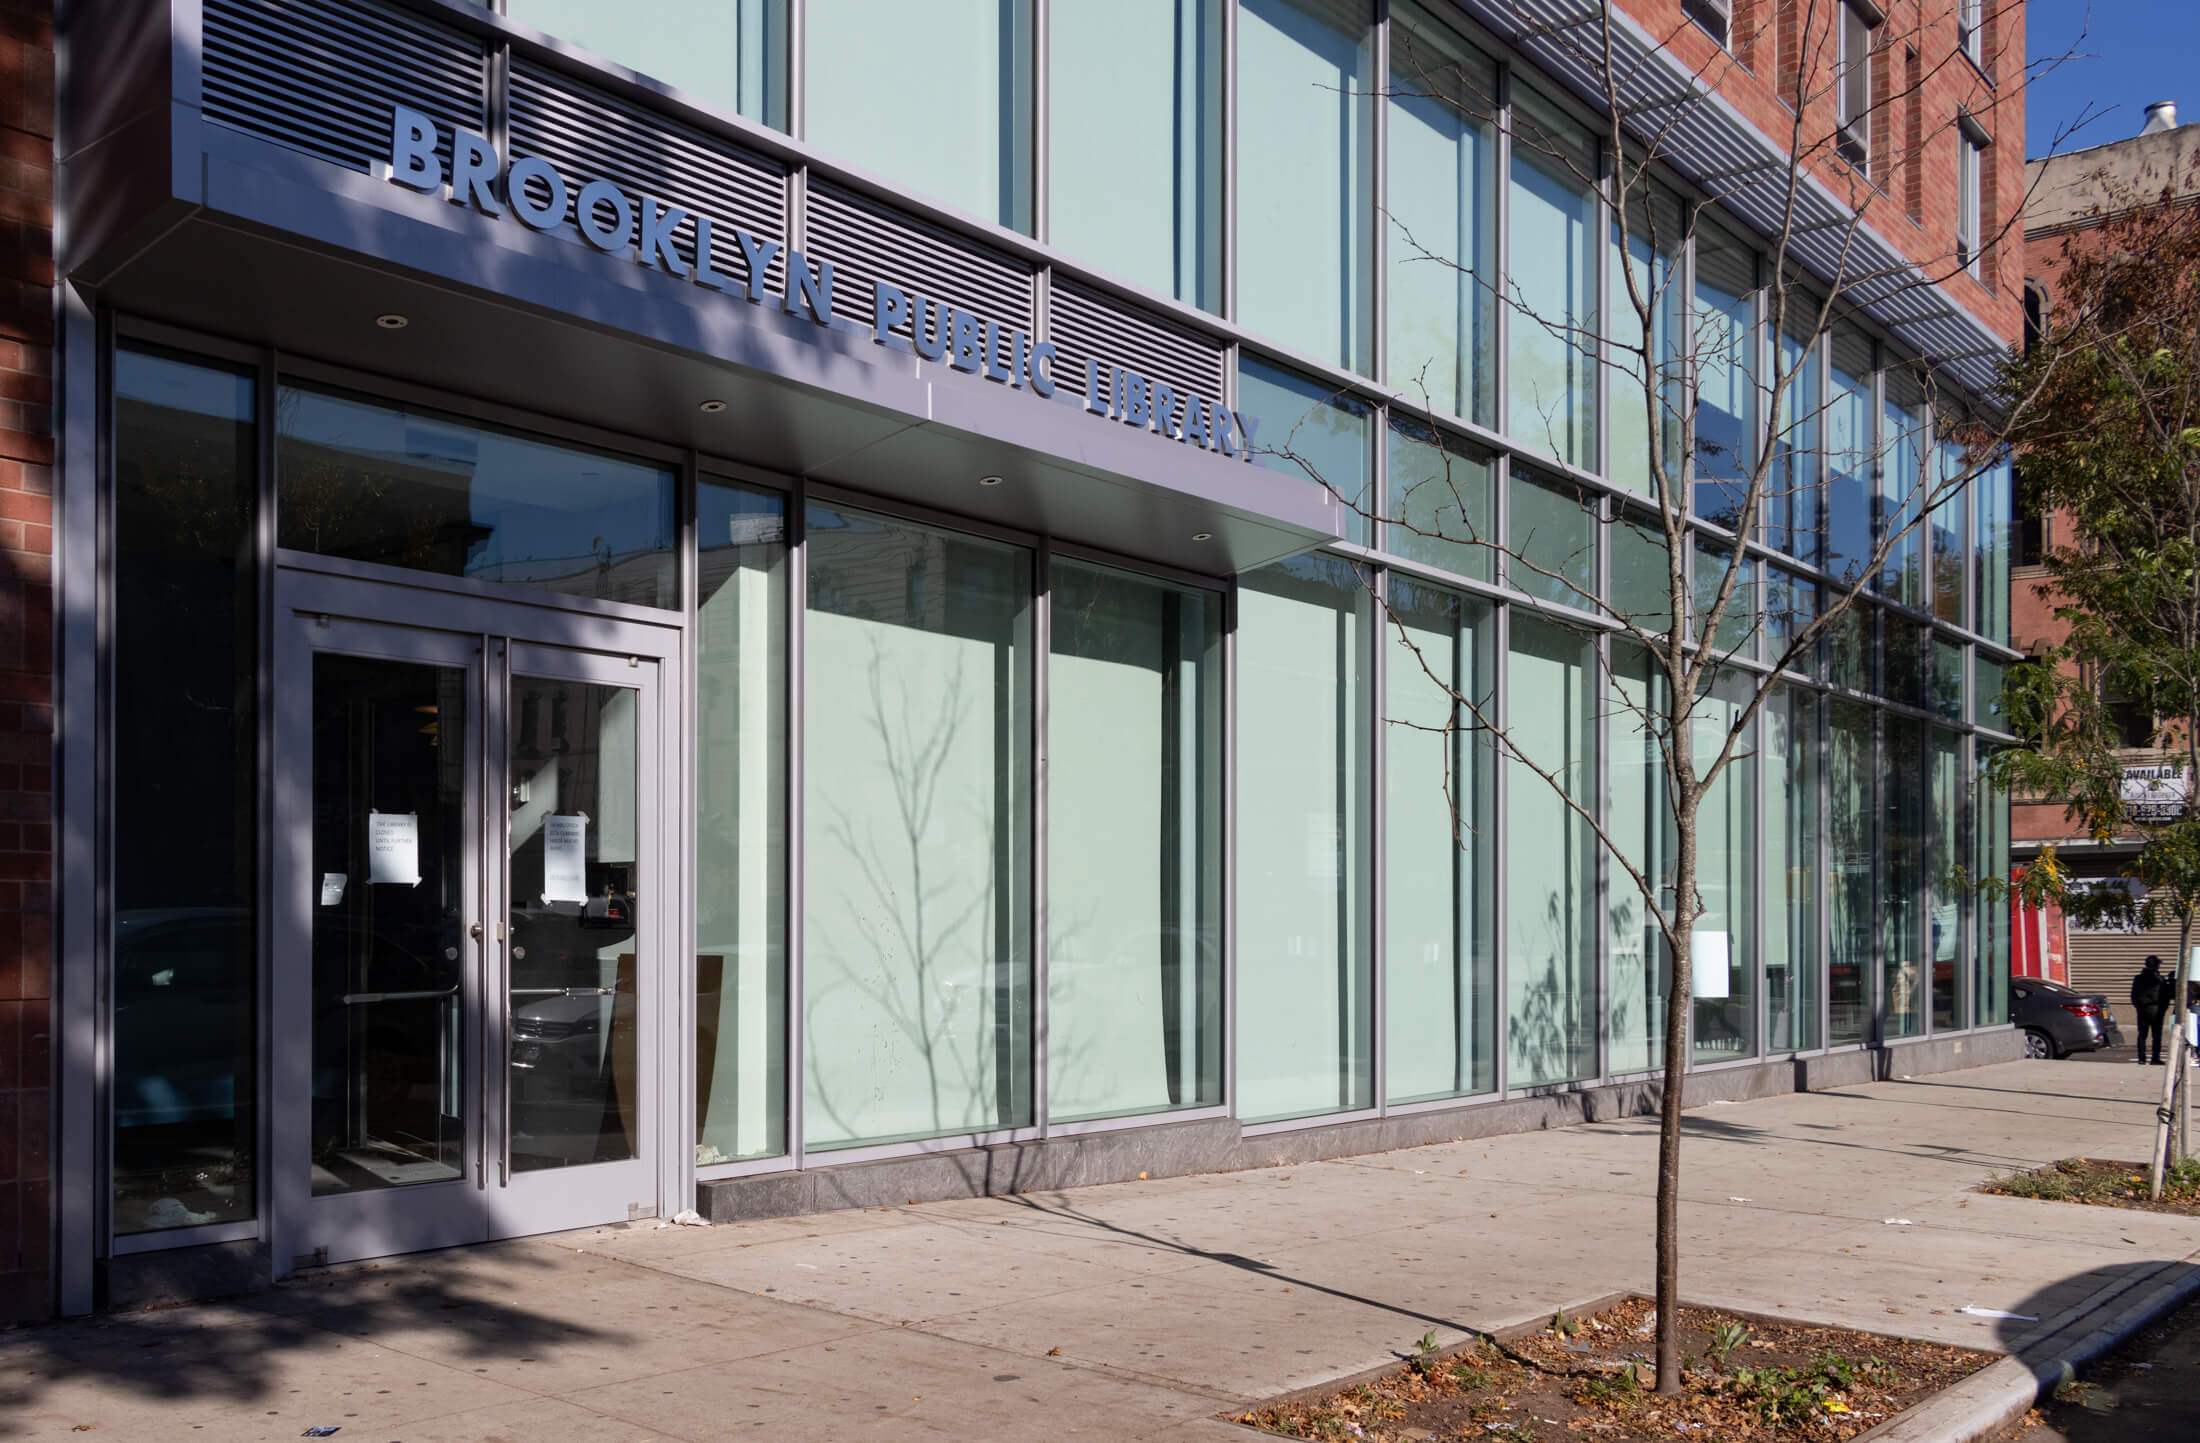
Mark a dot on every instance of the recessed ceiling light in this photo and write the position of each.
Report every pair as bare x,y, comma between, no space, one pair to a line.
1203,536
989,480
391,321
712,408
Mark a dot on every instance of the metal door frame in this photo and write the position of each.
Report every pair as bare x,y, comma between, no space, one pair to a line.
318,610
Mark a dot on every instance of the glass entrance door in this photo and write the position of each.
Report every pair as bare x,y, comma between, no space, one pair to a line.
463,983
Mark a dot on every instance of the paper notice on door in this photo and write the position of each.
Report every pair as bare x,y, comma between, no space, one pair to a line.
565,857
393,848
332,889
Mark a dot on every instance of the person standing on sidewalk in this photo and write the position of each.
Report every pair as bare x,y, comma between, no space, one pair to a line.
2150,998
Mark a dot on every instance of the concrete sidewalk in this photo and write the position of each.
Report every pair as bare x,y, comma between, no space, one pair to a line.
1140,1310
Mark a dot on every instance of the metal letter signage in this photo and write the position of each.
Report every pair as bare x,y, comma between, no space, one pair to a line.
645,229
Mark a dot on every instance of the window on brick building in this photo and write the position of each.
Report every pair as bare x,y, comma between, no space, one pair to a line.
1970,217
1716,17
1971,28
1853,93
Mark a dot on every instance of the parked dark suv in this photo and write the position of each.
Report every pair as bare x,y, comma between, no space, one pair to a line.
2058,1021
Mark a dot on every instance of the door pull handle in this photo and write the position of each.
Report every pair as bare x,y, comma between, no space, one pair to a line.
474,931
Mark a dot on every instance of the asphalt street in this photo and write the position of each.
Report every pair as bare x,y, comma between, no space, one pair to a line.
2147,1391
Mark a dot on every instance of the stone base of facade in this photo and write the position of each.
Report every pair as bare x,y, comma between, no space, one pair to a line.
1222,1145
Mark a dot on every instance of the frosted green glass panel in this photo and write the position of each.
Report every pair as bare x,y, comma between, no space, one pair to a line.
1550,949
1638,817
1553,555
917,832
1304,1002
1723,347
740,825
1990,849
1439,506
1305,176
1441,228
1134,140
1134,855
1439,966
1951,804
731,53
1644,373
1551,287
935,97
1309,430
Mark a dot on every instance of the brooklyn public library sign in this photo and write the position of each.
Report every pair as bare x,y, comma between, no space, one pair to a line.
532,192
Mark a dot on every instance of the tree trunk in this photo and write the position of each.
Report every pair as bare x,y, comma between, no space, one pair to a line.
1671,1095
2167,1114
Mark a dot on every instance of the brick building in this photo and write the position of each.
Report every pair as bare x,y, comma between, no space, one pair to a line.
2072,194
514,642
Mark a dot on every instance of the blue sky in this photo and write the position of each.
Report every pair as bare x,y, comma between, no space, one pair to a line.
2128,54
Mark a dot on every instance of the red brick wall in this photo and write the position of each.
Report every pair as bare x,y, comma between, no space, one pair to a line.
26,655
1911,196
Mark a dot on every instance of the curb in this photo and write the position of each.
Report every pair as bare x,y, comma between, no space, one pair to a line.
2001,1391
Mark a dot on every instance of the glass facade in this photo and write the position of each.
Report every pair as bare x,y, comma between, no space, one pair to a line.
969,144
1439,822
185,916
1134,854
1305,996
917,851
740,824
1550,947
1550,290
731,53
1306,176
979,834
1441,231
1138,78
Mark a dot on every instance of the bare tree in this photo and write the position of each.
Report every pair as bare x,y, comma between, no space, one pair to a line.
1801,224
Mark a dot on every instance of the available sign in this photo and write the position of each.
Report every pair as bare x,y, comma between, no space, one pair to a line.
2155,795
643,229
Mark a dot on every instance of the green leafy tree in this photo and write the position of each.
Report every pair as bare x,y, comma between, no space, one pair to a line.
2109,439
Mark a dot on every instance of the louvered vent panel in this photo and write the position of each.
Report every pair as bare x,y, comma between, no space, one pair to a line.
867,243
322,77
1082,323
589,136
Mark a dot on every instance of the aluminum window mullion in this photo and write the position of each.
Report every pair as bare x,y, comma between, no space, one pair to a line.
1377,365
798,90
1042,125
1500,862
1228,901
1501,246
1227,301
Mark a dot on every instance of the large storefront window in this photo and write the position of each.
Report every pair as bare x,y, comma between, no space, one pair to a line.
740,825
1723,962
1950,801
1138,78
370,481
185,659
729,52
1903,904
1134,854
1442,228
917,832
967,143
1551,286
1304,999
1549,945
1440,1026
1990,858
1991,564
1853,869
1791,871
1791,501
1639,819
1553,555
1305,176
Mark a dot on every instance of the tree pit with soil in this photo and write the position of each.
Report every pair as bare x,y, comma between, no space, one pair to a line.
2101,1182
1745,1380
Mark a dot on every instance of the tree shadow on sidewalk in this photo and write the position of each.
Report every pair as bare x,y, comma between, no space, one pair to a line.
2087,1313
241,1351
